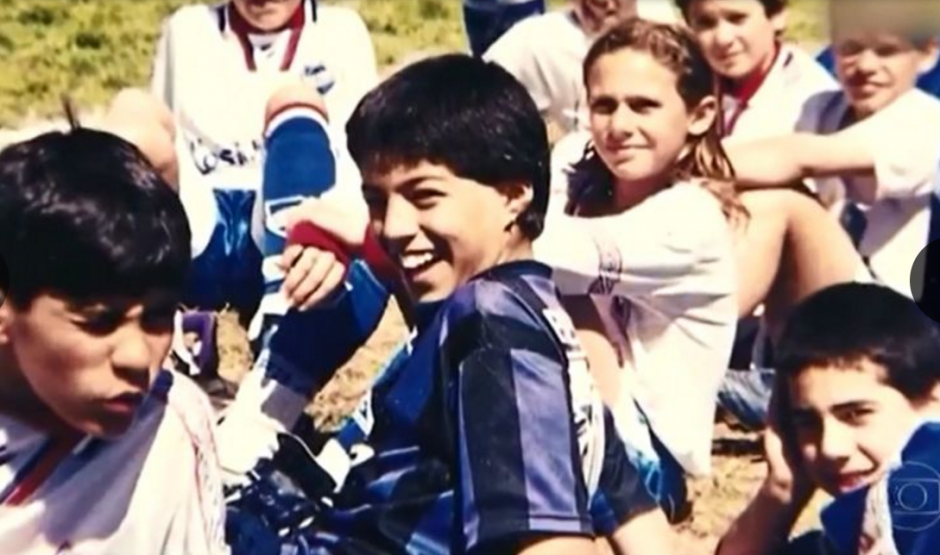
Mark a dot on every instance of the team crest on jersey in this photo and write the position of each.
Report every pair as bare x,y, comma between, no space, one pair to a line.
586,404
209,158
321,77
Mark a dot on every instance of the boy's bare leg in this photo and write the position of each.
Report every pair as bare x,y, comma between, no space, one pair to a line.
601,354
790,248
141,119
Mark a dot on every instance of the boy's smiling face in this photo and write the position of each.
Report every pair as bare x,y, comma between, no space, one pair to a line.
267,15
442,229
86,365
737,36
875,68
849,424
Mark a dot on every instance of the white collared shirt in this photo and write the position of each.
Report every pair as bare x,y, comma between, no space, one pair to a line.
904,140
156,489
775,108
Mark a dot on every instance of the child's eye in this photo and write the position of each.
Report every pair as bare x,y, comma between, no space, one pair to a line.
643,106
603,106
704,23
737,18
887,50
100,324
850,48
425,198
857,415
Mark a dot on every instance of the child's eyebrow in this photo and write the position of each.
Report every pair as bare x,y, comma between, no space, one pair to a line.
848,405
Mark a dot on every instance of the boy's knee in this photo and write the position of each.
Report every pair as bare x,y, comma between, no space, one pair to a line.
292,94
142,120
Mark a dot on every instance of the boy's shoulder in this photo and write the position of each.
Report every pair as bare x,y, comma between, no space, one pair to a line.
899,514
517,290
533,34
801,71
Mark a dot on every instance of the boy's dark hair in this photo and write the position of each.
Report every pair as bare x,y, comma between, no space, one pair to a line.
471,116
83,214
771,7
845,324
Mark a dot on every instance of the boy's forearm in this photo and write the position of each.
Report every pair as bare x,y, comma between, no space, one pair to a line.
765,525
779,161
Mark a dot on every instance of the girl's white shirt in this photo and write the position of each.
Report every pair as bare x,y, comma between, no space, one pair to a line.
663,276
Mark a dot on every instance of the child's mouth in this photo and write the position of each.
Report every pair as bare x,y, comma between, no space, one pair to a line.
417,262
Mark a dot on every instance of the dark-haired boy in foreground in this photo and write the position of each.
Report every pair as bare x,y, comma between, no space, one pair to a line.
483,433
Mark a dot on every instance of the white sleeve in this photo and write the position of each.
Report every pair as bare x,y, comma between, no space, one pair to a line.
650,250
161,78
515,52
357,65
904,141
262,409
183,473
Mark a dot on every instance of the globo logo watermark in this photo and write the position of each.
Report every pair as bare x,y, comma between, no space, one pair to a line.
925,280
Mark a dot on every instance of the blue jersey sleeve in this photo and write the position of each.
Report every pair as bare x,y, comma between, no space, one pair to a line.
304,349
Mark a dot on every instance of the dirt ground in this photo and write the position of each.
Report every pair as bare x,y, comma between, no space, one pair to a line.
738,465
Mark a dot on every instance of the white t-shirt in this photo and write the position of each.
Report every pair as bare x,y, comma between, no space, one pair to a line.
545,53
200,71
774,108
668,265
156,489
904,139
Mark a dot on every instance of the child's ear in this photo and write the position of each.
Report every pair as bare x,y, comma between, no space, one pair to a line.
779,22
931,56
702,117
6,319
518,197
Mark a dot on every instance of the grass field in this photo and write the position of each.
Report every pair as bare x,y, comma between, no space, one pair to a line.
91,48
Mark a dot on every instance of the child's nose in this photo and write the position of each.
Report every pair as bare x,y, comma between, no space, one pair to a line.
133,356
400,222
836,442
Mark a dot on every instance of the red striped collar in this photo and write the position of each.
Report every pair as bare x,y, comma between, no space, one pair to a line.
230,18
744,91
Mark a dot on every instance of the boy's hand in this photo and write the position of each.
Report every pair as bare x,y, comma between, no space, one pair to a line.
311,275
346,224
787,477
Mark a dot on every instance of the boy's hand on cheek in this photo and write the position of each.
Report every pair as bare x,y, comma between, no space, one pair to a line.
787,477
311,275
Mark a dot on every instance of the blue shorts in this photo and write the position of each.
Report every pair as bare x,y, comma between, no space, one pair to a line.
228,270
661,472
485,25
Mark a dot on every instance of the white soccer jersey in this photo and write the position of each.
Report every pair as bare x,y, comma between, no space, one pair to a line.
202,72
155,490
663,276
772,106
546,53
904,140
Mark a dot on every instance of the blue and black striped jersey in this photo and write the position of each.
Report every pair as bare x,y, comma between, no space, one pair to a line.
483,431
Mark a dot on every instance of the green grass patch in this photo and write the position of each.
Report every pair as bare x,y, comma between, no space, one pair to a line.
89,49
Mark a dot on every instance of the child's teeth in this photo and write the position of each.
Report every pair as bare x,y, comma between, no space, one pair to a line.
413,261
